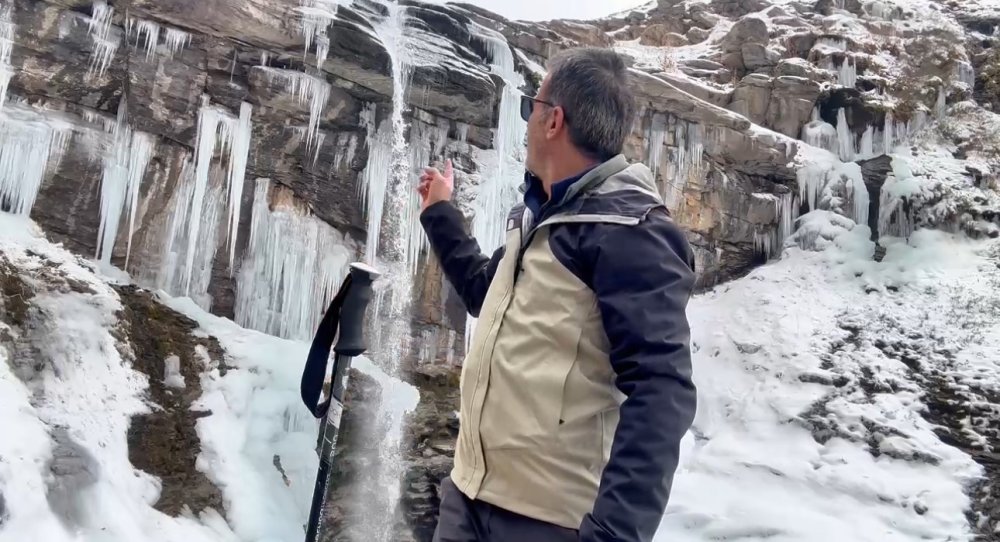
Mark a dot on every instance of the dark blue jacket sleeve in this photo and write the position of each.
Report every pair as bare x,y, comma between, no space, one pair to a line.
468,270
643,277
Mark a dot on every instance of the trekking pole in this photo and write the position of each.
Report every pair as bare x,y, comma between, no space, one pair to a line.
346,314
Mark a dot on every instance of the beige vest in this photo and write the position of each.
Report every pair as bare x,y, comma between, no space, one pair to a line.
539,403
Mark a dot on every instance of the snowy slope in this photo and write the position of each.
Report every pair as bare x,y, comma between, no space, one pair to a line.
91,391
807,429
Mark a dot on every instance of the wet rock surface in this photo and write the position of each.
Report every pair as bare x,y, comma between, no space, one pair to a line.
165,442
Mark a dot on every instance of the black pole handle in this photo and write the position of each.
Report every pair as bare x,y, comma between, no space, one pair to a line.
346,315
351,341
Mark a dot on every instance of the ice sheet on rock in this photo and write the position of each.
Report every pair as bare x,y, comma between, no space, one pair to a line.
293,266
104,36
822,135
31,143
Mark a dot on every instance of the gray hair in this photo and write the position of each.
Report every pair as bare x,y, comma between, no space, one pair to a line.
591,85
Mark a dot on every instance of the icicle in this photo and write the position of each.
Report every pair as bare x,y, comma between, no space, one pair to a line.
316,18
293,266
847,75
845,138
426,143
237,173
655,139
941,106
191,239
265,58
965,74
216,129
105,46
7,31
147,29
889,133
833,43
375,179
821,134
462,130
176,40
867,149
30,143
498,191
309,89
124,166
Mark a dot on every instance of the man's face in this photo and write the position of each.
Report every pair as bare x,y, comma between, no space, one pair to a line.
537,127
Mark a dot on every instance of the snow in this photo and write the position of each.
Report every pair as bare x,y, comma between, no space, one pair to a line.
750,468
91,392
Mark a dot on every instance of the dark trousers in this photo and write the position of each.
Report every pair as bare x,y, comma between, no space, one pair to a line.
464,520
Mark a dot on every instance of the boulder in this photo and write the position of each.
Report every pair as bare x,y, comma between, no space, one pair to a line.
697,35
752,97
656,36
791,104
748,30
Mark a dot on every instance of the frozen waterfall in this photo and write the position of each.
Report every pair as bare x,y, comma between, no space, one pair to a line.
293,267
6,47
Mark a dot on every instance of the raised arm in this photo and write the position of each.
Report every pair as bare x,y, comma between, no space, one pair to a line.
467,268
643,278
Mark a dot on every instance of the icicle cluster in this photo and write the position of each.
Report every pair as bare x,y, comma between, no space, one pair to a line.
822,175
217,130
685,163
843,142
309,89
965,74
105,45
30,142
655,139
293,267
375,179
124,165
174,40
427,143
6,47
316,18
498,191
786,211
941,105
186,262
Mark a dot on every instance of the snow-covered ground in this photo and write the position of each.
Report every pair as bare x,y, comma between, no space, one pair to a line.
91,391
807,429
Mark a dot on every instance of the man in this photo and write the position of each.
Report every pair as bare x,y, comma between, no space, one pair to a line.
576,389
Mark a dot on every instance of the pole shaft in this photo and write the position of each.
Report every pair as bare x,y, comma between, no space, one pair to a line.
329,430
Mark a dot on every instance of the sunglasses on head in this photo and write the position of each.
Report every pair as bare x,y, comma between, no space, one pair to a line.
528,106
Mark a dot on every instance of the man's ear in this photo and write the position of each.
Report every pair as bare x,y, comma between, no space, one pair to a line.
556,122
